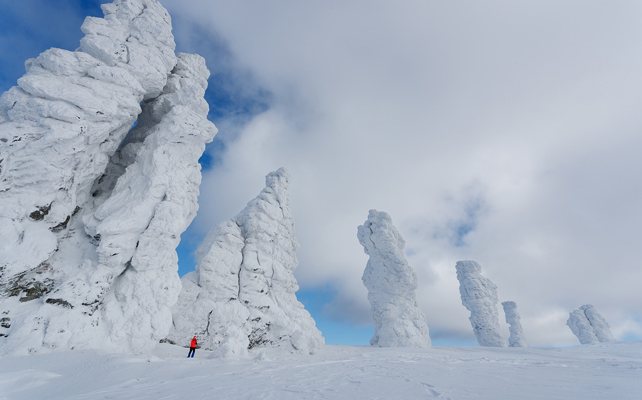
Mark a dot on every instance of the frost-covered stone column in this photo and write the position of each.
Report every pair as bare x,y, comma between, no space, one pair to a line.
91,211
516,338
600,327
242,294
391,285
479,296
589,326
581,327
208,305
154,201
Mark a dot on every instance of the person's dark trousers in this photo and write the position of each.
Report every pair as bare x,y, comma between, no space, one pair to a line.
192,350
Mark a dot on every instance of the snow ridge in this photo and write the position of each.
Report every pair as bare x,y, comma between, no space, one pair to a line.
391,284
242,294
589,326
516,338
91,211
479,296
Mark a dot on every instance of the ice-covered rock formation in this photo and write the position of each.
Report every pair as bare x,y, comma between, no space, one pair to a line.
589,326
600,327
479,296
581,327
242,294
91,210
391,285
516,338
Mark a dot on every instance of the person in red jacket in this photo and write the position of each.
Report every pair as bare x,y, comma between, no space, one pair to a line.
192,348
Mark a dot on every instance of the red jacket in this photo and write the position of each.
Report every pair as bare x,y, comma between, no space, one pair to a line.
193,344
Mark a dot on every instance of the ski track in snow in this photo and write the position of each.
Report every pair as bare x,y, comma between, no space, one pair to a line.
601,371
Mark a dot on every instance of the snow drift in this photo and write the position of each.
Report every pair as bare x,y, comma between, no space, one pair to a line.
479,296
242,294
91,211
516,338
391,285
589,326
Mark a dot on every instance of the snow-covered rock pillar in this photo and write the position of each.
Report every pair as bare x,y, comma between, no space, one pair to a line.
581,327
91,211
516,338
479,296
600,327
589,326
391,285
242,294
154,201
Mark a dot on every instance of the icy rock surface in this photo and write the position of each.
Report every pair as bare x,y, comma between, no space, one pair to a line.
479,296
589,326
516,338
242,294
91,211
391,285
581,327
598,323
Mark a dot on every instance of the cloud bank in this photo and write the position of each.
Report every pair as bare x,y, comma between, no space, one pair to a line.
504,133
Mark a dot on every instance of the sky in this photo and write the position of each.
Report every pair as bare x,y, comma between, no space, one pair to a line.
502,132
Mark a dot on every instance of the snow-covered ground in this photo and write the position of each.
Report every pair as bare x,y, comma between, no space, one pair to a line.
600,371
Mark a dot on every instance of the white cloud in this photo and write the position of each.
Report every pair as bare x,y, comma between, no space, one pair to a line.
528,111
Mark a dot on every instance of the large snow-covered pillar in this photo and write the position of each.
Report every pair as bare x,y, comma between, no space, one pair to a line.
479,296
589,326
242,294
391,285
516,338
154,201
208,305
91,210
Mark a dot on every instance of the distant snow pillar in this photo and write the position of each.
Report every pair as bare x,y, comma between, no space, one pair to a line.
589,326
516,338
479,296
391,285
581,327
598,323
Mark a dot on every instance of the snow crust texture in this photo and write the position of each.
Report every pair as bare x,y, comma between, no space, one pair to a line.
479,296
391,284
516,338
589,326
242,294
607,371
91,211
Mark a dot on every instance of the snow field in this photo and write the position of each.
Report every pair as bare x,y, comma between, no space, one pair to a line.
600,371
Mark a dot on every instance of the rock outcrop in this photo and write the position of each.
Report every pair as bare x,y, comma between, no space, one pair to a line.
516,338
589,326
479,296
391,285
91,210
242,294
